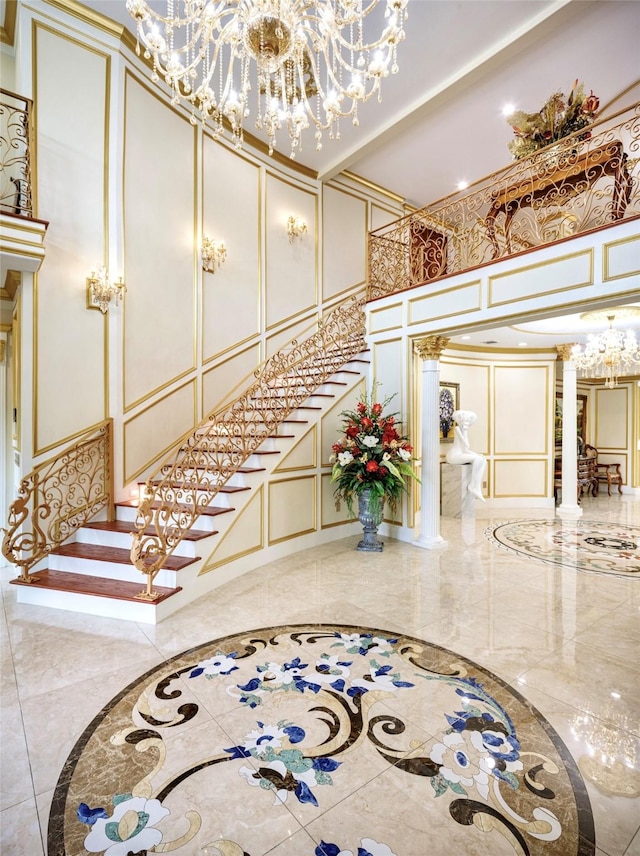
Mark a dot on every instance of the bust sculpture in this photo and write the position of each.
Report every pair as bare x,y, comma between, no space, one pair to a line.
461,452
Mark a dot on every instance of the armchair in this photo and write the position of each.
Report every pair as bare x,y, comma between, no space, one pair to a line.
609,473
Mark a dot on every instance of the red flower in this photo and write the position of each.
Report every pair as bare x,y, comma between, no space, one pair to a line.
376,410
407,447
389,435
337,448
366,423
590,104
362,407
382,472
372,466
352,431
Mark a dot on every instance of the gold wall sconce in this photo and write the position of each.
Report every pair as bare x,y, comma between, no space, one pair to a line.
296,228
213,253
100,291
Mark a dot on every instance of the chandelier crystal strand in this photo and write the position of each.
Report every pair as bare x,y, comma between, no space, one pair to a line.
611,353
282,54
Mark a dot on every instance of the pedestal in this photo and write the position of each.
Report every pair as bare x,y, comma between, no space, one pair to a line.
456,501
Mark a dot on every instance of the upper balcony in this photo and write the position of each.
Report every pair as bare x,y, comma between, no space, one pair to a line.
22,234
584,182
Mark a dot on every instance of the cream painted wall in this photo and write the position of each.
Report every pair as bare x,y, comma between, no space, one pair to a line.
231,212
344,241
70,377
291,268
159,244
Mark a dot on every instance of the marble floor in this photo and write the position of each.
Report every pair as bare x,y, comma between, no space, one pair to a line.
478,700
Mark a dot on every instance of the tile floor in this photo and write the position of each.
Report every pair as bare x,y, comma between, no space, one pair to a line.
568,641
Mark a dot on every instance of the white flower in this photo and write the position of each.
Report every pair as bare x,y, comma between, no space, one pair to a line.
462,763
130,828
254,778
406,456
259,740
218,665
345,458
376,848
370,441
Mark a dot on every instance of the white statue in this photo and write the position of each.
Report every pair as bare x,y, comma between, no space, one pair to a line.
461,453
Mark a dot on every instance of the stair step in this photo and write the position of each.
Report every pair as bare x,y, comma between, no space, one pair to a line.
127,527
96,586
206,511
225,488
98,553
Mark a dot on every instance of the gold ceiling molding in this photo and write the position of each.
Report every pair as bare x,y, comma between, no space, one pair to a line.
431,347
8,26
488,349
11,284
372,186
96,19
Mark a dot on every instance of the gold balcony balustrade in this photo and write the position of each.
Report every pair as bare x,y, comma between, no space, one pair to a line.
584,181
204,461
15,154
58,497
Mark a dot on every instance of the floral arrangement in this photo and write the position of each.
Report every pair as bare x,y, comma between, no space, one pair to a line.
446,411
559,117
371,455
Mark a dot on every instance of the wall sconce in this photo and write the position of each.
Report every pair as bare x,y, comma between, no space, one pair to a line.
296,228
100,292
214,253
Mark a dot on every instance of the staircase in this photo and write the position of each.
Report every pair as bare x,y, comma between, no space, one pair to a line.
94,572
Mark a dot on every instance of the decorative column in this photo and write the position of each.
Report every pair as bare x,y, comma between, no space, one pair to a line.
430,350
569,506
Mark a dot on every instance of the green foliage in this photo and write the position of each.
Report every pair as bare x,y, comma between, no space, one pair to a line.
559,117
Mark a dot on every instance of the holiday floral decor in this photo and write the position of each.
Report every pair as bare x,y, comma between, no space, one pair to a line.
372,455
559,117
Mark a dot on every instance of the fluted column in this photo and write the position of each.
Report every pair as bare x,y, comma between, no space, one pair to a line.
430,349
569,506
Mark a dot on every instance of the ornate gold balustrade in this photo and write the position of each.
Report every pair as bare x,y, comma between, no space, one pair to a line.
176,495
15,148
58,497
568,188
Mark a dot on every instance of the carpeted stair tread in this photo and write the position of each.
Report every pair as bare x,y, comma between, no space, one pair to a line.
128,527
96,586
100,553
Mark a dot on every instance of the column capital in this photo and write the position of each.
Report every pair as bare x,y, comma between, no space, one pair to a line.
431,347
565,351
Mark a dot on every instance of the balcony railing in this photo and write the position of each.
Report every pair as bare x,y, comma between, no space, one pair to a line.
568,188
15,152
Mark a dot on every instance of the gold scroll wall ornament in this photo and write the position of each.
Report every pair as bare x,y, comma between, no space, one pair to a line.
15,154
58,497
180,490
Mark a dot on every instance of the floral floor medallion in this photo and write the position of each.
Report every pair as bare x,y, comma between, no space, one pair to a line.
320,740
586,545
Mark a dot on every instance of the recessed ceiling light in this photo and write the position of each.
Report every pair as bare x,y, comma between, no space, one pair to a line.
522,344
468,337
462,185
508,110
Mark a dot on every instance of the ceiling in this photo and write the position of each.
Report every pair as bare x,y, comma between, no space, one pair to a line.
440,119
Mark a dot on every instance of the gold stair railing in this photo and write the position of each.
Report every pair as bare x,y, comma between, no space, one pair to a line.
177,494
15,154
58,497
582,182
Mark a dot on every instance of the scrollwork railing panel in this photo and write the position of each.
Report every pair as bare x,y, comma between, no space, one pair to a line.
57,498
177,494
15,154
582,182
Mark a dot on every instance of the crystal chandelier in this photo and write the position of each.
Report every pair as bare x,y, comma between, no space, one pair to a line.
611,353
315,60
